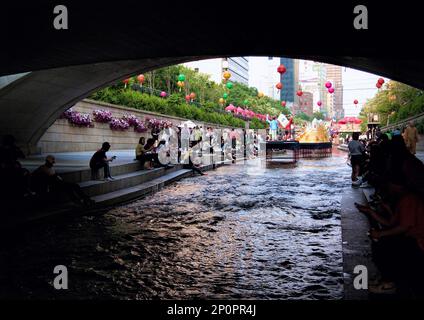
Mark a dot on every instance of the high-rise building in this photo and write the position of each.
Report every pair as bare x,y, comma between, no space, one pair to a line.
263,75
290,80
305,104
334,75
237,66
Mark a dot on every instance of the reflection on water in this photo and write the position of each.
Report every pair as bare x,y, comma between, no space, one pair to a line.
240,232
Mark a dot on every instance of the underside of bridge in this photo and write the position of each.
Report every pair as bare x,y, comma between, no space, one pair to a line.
106,43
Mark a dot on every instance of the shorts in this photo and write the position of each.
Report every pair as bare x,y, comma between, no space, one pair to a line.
356,160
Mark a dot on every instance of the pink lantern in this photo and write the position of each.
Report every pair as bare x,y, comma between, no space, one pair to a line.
355,101
331,90
163,94
319,103
328,85
187,97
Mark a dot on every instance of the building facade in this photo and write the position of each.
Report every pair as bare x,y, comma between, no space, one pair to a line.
237,66
305,104
335,107
290,80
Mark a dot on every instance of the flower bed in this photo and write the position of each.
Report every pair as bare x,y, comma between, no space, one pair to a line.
119,124
77,118
102,116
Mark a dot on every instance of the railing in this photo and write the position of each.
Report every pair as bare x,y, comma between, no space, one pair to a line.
402,123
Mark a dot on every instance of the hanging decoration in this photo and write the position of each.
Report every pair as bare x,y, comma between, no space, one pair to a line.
328,85
163,94
140,79
281,69
229,85
180,84
126,81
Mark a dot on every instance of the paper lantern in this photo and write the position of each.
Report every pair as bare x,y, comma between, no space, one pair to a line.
163,94
140,79
331,90
281,69
381,81
192,96
279,85
226,75
221,100
378,85
319,103
229,85
260,94
181,78
355,101
283,103
328,85
299,93
187,97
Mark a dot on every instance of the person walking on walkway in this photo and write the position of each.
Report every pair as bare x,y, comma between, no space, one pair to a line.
411,137
356,152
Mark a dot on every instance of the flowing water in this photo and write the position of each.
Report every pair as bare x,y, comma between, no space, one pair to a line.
242,231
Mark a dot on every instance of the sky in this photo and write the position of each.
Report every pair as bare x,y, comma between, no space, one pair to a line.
357,85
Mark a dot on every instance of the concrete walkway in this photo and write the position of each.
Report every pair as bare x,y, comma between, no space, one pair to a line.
355,243
74,161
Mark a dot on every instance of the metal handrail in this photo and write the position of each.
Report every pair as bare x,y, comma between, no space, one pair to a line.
403,122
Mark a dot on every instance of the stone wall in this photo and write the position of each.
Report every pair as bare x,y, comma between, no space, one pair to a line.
64,137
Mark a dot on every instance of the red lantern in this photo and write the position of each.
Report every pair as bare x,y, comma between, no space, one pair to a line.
378,85
355,101
187,97
299,93
381,81
279,85
281,69
192,96
283,103
140,79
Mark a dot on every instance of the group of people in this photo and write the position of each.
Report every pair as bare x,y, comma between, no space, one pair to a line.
21,187
396,211
277,134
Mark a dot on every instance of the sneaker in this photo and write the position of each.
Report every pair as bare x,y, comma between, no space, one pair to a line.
357,183
365,185
382,288
107,179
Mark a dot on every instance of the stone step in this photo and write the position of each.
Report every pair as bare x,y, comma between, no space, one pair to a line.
85,174
131,193
96,187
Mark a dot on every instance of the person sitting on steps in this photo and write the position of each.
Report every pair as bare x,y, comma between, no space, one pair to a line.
45,180
100,160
